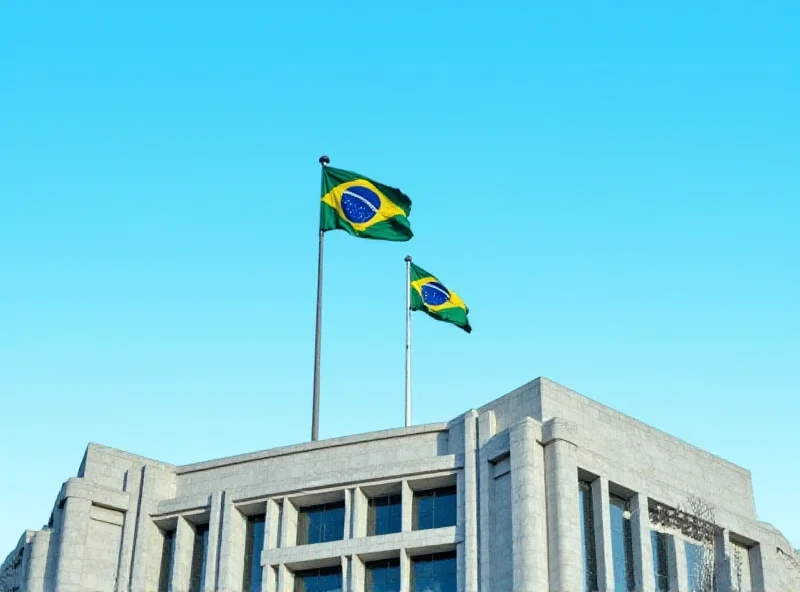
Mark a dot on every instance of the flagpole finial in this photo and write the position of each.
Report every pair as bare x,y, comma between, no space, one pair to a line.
408,259
324,160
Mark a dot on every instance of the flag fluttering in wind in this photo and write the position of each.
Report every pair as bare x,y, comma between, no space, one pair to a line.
430,295
363,207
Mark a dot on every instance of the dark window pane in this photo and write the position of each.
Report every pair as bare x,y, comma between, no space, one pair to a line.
435,508
658,540
383,576
385,515
254,544
167,552
589,554
434,573
198,557
621,545
320,524
328,579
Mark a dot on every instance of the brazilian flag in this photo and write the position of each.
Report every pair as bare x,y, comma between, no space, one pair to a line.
363,207
430,296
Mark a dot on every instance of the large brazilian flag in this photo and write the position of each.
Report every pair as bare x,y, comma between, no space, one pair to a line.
363,207
430,296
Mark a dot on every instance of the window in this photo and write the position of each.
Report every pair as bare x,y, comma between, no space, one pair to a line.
434,573
699,566
253,545
589,554
435,508
320,524
385,515
167,551
327,579
658,541
383,576
621,545
198,558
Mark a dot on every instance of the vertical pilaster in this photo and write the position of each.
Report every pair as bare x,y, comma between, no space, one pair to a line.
72,544
285,579
232,545
405,571
348,513
133,484
346,573
642,545
723,564
182,558
487,427
678,573
757,572
407,513
529,556
359,513
563,528
214,537
357,574
602,534
470,488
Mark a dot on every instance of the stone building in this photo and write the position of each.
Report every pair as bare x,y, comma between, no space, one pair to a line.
540,490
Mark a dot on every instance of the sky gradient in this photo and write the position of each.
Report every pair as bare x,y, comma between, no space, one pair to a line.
612,189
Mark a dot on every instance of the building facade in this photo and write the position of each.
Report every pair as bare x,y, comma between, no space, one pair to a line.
541,490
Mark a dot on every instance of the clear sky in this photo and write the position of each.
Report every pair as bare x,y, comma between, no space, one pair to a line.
611,187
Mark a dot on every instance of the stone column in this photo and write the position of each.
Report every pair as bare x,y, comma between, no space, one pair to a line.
357,575
133,483
678,573
602,534
563,528
288,524
272,517
486,431
470,488
347,532
359,513
231,553
72,544
405,571
214,534
182,557
723,560
407,514
285,579
642,545
529,552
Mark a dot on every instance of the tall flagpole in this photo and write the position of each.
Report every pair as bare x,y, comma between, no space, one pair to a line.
408,340
324,161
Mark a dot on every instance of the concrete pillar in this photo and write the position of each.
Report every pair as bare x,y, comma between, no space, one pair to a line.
348,512
642,545
37,567
678,573
487,427
72,544
133,484
529,544
405,571
359,513
723,560
288,524
407,514
602,534
214,537
232,545
757,572
563,528
272,514
182,557
357,575
470,489
285,579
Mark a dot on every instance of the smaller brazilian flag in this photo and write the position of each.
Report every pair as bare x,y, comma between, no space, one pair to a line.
363,207
430,296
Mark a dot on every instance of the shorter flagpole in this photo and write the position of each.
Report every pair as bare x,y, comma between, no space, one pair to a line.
323,161
408,340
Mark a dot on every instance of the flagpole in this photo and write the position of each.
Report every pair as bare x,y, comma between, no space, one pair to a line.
408,340
323,161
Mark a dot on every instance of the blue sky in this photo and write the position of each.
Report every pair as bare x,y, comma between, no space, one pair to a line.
612,189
